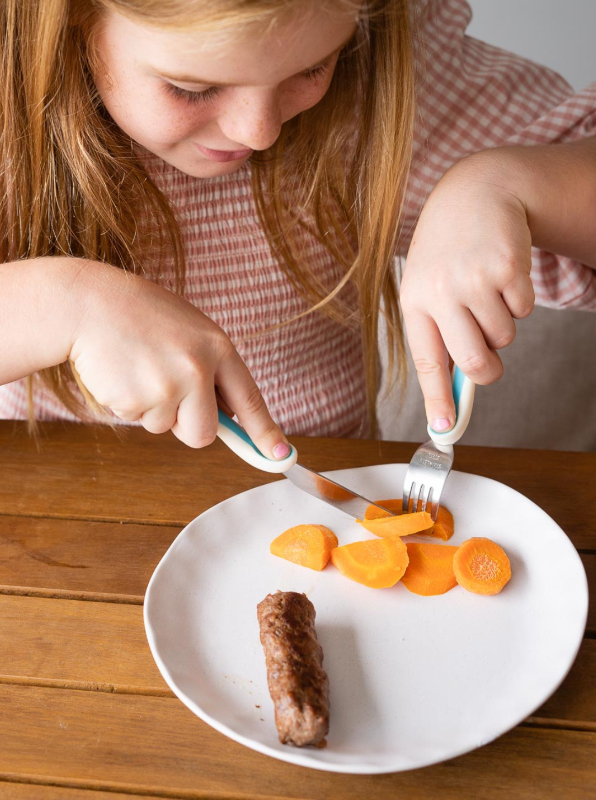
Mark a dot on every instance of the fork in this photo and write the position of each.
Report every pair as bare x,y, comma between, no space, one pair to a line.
432,462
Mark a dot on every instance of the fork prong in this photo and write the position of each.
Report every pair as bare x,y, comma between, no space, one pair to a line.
407,495
424,498
416,497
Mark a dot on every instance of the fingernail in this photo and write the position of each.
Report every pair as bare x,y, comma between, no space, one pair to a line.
281,450
440,424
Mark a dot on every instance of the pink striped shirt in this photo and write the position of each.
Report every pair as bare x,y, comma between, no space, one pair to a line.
310,372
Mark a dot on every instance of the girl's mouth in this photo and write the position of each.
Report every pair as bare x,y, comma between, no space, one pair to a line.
222,155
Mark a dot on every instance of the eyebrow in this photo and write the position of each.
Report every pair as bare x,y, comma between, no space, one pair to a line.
194,79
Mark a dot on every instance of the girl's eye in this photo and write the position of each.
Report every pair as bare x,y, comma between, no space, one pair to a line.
192,97
316,71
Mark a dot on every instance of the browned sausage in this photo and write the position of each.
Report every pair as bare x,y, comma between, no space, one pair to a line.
298,684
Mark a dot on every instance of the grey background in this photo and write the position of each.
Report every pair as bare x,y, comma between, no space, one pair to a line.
547,397
557,33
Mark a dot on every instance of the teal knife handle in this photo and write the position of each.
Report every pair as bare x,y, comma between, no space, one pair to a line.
240,442
463,397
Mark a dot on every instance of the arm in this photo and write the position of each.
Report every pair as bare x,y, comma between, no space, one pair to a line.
556,184
143,352
39,314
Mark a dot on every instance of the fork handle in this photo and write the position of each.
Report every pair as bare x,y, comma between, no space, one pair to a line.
463,397
238,440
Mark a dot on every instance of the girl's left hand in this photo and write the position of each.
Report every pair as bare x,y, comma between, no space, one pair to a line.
467,277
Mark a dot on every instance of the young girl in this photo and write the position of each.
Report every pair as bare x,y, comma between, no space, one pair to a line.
203,197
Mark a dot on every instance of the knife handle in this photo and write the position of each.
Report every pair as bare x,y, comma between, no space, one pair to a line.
240,442
463,397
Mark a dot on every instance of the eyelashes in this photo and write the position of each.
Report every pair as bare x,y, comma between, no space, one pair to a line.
192,97
210,94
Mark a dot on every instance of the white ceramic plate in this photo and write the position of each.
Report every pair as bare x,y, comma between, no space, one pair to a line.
414,680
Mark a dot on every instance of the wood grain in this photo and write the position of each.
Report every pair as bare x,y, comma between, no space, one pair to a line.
138,477
85,520
80,558
155,744
102,647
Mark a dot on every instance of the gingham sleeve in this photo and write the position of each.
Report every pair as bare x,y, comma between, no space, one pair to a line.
472,96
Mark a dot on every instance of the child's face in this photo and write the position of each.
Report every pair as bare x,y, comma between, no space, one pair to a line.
251,84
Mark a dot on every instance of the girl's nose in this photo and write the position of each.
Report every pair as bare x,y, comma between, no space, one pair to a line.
254,120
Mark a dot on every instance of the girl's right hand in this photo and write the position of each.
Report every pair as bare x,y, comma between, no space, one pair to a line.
148,355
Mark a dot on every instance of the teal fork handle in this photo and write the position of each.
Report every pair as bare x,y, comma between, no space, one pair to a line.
463,397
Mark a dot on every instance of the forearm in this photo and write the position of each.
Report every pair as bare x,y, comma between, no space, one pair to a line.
39,312
556,185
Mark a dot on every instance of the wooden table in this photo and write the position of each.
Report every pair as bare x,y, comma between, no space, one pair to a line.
85,714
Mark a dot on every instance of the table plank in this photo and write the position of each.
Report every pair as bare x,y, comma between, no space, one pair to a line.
117,742
37,791
135,476
79,558
87,559
97,646
102,647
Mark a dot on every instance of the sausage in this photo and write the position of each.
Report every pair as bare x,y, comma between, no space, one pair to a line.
298,684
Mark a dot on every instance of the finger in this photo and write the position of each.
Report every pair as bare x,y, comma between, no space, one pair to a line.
494,320
160,419
127,414
518,295
239,390
196,417
222,403
432,368
467,346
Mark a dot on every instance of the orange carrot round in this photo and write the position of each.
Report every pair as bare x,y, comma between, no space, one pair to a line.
377,563
481,566
306,545
442,529
430,570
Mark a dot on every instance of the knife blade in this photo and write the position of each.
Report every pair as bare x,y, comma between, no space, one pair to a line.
308,480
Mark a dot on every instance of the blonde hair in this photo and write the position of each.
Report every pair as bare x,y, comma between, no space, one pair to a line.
70,183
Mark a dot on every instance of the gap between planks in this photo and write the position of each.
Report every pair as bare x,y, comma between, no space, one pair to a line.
164,523
131,789
67,594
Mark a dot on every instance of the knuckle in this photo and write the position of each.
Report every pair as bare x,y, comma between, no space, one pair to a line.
199,440
254,402
504,340
525,311
426,366
475,364
156,426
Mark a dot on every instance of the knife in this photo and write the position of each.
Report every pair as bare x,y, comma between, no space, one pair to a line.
306,479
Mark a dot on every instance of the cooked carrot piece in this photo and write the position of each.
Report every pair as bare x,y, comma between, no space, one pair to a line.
378,563
442,529
306,545
430,570
400,525
481,566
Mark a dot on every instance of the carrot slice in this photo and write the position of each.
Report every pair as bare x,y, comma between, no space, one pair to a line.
442,529
481,566
430,570
306,545
377,563
401,525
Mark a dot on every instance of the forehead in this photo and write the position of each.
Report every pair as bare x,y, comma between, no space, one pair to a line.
247,54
